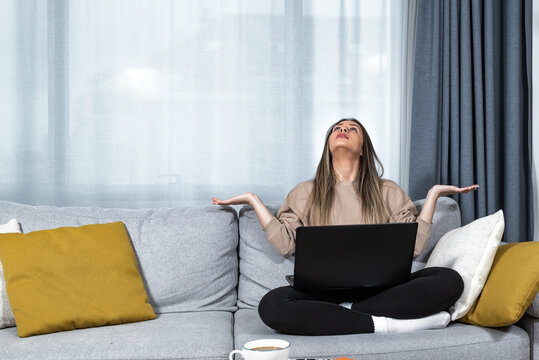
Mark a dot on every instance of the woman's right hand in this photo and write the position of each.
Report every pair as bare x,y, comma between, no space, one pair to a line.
246,198
261,210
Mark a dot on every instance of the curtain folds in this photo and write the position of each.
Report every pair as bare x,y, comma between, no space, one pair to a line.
172,102
471,115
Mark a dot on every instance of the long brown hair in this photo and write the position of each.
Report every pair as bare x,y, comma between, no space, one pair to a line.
367,184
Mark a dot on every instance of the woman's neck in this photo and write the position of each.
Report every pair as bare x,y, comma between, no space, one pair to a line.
345,169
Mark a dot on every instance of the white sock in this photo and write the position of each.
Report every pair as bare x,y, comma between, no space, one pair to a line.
435,321
380,324
347,305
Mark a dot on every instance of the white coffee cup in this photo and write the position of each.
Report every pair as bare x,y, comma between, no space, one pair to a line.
260,350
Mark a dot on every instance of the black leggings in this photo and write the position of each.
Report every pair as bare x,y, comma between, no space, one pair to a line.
289,311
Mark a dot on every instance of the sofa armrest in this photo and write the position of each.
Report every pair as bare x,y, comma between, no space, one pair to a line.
531,325
533,310
446,218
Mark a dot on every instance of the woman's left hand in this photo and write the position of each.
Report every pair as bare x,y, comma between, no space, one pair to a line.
427,212
441,190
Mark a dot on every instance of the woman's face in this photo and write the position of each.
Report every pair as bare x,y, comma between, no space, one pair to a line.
346,135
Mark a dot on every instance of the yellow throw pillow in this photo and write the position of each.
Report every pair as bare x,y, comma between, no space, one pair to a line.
73,277
511,286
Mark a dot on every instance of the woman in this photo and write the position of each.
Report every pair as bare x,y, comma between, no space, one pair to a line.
347,189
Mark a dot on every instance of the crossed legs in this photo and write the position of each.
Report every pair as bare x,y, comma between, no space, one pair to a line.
429,291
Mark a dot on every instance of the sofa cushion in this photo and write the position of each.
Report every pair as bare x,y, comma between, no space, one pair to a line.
457,341
187,256
262,268
190,335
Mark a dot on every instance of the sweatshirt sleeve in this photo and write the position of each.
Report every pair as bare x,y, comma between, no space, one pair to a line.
402,209
281,230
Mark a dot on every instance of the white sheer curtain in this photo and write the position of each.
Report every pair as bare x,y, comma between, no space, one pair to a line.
167,103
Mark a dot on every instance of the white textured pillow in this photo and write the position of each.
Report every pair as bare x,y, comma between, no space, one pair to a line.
470,251
6,315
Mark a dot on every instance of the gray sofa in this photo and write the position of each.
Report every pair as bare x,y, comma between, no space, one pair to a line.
205,270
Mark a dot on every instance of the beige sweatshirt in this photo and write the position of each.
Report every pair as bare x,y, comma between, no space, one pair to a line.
281,230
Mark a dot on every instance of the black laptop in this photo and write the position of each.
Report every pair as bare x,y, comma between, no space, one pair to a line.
353,256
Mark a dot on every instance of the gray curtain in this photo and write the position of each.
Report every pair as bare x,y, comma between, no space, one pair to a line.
471,117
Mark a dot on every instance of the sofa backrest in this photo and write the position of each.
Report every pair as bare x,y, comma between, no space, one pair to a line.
262,268
187,256
446,217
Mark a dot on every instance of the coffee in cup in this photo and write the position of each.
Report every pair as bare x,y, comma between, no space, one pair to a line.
264,349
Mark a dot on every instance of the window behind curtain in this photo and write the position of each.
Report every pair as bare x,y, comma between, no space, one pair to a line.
166,103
